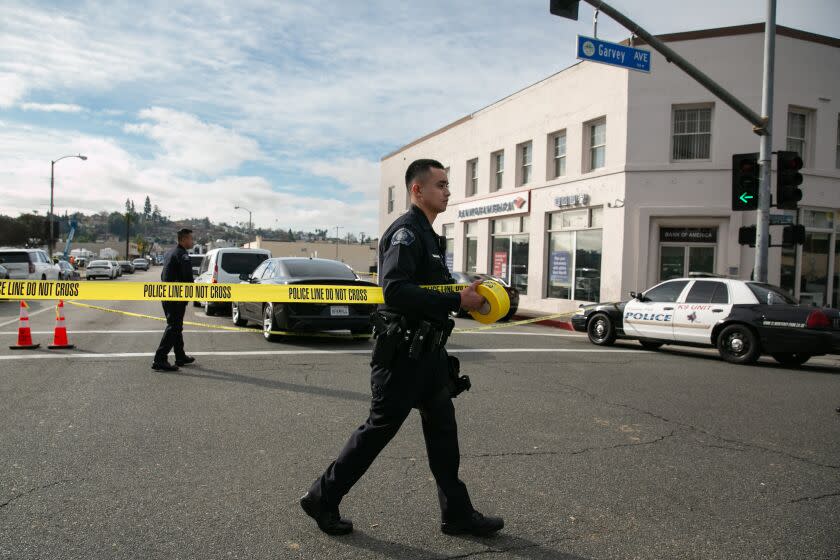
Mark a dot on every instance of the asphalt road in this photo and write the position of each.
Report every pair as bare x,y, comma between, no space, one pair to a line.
586,452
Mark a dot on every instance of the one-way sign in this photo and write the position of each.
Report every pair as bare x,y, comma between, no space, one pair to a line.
596,50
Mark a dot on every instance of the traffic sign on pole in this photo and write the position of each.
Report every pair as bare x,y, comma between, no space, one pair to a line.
614,54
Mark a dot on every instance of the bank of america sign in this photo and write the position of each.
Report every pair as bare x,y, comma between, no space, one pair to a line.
517,203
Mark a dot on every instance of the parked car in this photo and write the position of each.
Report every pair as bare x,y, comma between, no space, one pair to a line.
159,260
140,264
470,277
68,271
742,319
304,317
100,269
4,272
196,261
28,264
117,268
126,267
224,266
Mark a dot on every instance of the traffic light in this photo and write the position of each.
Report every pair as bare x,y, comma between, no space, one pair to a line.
744,182
793,235
565,8
746,235
788,179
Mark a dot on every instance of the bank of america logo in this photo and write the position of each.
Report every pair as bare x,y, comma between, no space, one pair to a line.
519,202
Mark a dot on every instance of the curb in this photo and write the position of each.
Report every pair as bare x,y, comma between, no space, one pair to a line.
554,323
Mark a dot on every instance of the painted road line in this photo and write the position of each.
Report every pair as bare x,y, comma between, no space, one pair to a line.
81,356
32,314
257,330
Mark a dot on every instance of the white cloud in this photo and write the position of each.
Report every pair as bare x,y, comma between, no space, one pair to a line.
52,107
12,88
111,174
360,175
193,145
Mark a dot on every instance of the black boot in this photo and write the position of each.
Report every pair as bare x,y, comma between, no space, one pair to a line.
184,361
164,366
477,525
328,519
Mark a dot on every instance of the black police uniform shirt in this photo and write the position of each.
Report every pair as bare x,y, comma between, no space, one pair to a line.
412,255
177,266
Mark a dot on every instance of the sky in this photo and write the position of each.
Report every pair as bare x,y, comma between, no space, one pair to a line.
284,107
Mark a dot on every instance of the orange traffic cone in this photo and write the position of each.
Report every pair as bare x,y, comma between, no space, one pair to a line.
24,334
60,335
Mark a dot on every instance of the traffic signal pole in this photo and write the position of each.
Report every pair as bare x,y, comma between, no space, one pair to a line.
765,155
761,123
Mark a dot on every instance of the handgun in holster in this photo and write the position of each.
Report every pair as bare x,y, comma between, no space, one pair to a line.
420,341
388,331
456,383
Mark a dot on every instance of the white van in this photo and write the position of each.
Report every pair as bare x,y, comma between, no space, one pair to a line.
223,266
29,264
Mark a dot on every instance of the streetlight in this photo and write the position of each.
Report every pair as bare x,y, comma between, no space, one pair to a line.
52,198
249,220
337,239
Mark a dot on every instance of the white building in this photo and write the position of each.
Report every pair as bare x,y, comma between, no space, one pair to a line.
598,180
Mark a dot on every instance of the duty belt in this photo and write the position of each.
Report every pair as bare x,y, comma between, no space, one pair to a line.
393,331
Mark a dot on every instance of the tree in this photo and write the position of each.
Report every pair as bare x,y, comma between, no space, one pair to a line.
291,235
156,217
147,208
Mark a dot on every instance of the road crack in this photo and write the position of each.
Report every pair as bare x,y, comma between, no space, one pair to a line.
32,490
814,498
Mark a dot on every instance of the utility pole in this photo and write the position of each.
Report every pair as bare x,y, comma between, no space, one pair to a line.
765,155
127,233
337,240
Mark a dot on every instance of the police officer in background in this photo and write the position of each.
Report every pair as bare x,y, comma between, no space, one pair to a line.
176,268
410,367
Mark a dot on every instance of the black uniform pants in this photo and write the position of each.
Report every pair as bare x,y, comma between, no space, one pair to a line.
173,336
396,390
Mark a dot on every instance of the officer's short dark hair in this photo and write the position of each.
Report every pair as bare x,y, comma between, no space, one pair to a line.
183,233
418,169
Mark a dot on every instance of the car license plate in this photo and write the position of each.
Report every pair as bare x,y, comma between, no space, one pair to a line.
339,310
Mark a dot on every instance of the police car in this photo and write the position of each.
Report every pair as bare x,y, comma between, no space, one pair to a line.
742,319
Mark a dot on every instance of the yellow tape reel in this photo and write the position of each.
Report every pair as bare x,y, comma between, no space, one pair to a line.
498,302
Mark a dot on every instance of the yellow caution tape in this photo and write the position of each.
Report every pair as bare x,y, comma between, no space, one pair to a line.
177,291
497,304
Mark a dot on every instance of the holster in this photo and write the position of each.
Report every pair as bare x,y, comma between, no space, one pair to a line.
456,383
388,329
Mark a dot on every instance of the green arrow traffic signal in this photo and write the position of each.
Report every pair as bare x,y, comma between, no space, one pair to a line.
745,198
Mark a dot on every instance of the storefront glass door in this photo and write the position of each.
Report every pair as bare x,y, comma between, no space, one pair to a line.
813,286
677,261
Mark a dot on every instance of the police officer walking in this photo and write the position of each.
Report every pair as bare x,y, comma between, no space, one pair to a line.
177,267
410,367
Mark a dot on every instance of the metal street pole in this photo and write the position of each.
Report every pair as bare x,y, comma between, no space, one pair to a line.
765,156
50,244
670,55
250,228
337,239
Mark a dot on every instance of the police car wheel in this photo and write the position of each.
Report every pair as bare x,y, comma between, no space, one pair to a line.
791,358
236,315
601,330
269,324
209,310
650,345
738,344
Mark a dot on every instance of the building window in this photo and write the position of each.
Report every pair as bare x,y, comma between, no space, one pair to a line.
390,199
557,159
574,254
472,177
471,246
524,155
449,253
692,133
499,169
595,133
798,125
510,251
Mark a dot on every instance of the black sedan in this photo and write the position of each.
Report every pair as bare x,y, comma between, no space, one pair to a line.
470,277
742,319
304,317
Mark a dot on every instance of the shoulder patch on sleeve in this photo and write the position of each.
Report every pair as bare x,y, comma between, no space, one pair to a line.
402,236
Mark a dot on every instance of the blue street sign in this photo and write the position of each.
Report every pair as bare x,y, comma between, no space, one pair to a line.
596,50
